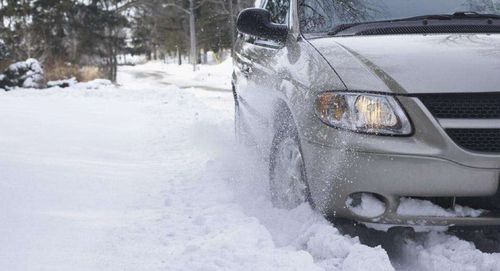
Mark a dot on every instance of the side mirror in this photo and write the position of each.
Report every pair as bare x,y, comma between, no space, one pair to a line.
257,22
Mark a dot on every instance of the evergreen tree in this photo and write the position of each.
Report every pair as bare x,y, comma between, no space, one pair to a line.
52,28
100,33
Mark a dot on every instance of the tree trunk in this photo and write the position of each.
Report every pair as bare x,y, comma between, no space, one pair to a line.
179,55
231,25
192,33
205,56
115,68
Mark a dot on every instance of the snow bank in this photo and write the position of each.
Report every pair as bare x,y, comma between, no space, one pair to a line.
440,251
334,251
62,83
75,85
94,84
216,75
207,77
301,229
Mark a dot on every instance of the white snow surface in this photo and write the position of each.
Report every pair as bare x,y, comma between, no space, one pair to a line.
147,176
368,207
418,207
208,77
75,85
439,251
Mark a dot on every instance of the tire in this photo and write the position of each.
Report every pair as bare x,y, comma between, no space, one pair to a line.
287,174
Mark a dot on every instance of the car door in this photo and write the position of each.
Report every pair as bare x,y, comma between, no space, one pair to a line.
256,69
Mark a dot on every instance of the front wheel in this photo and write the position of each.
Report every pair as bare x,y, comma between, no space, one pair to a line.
288,182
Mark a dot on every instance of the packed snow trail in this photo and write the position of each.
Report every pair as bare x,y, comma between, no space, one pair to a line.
147,176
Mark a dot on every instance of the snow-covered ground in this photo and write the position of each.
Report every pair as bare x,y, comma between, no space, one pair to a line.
147,176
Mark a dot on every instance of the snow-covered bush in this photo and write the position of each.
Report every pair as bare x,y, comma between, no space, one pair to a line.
27,74
4,54
30,74
4,82
62,83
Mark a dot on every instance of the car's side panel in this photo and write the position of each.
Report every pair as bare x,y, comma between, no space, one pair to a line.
288,75
268,77
249,85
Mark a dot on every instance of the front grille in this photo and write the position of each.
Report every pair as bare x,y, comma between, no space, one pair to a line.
463,106
481,140
469,107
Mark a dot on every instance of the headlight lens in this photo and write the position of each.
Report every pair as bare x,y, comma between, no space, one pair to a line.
364,113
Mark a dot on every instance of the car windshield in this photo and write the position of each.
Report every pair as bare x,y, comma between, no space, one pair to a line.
323,15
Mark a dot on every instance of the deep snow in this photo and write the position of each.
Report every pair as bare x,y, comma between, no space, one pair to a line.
147,176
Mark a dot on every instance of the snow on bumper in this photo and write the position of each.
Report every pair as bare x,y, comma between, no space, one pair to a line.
335,175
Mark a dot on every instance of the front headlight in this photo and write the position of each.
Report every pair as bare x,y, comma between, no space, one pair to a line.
364,113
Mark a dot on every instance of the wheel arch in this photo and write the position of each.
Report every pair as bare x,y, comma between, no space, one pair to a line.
283,121
283,116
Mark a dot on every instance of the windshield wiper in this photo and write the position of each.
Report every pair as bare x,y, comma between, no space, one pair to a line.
455,16
474,15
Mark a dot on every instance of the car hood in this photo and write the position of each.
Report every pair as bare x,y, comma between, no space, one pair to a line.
413,64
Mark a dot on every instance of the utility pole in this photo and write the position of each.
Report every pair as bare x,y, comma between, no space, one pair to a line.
192,32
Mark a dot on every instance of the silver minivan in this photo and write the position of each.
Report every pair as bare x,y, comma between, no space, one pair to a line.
382,111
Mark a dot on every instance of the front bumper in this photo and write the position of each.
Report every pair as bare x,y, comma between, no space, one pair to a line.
427,164
335,175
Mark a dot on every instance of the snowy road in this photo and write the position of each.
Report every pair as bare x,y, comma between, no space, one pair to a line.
147,176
